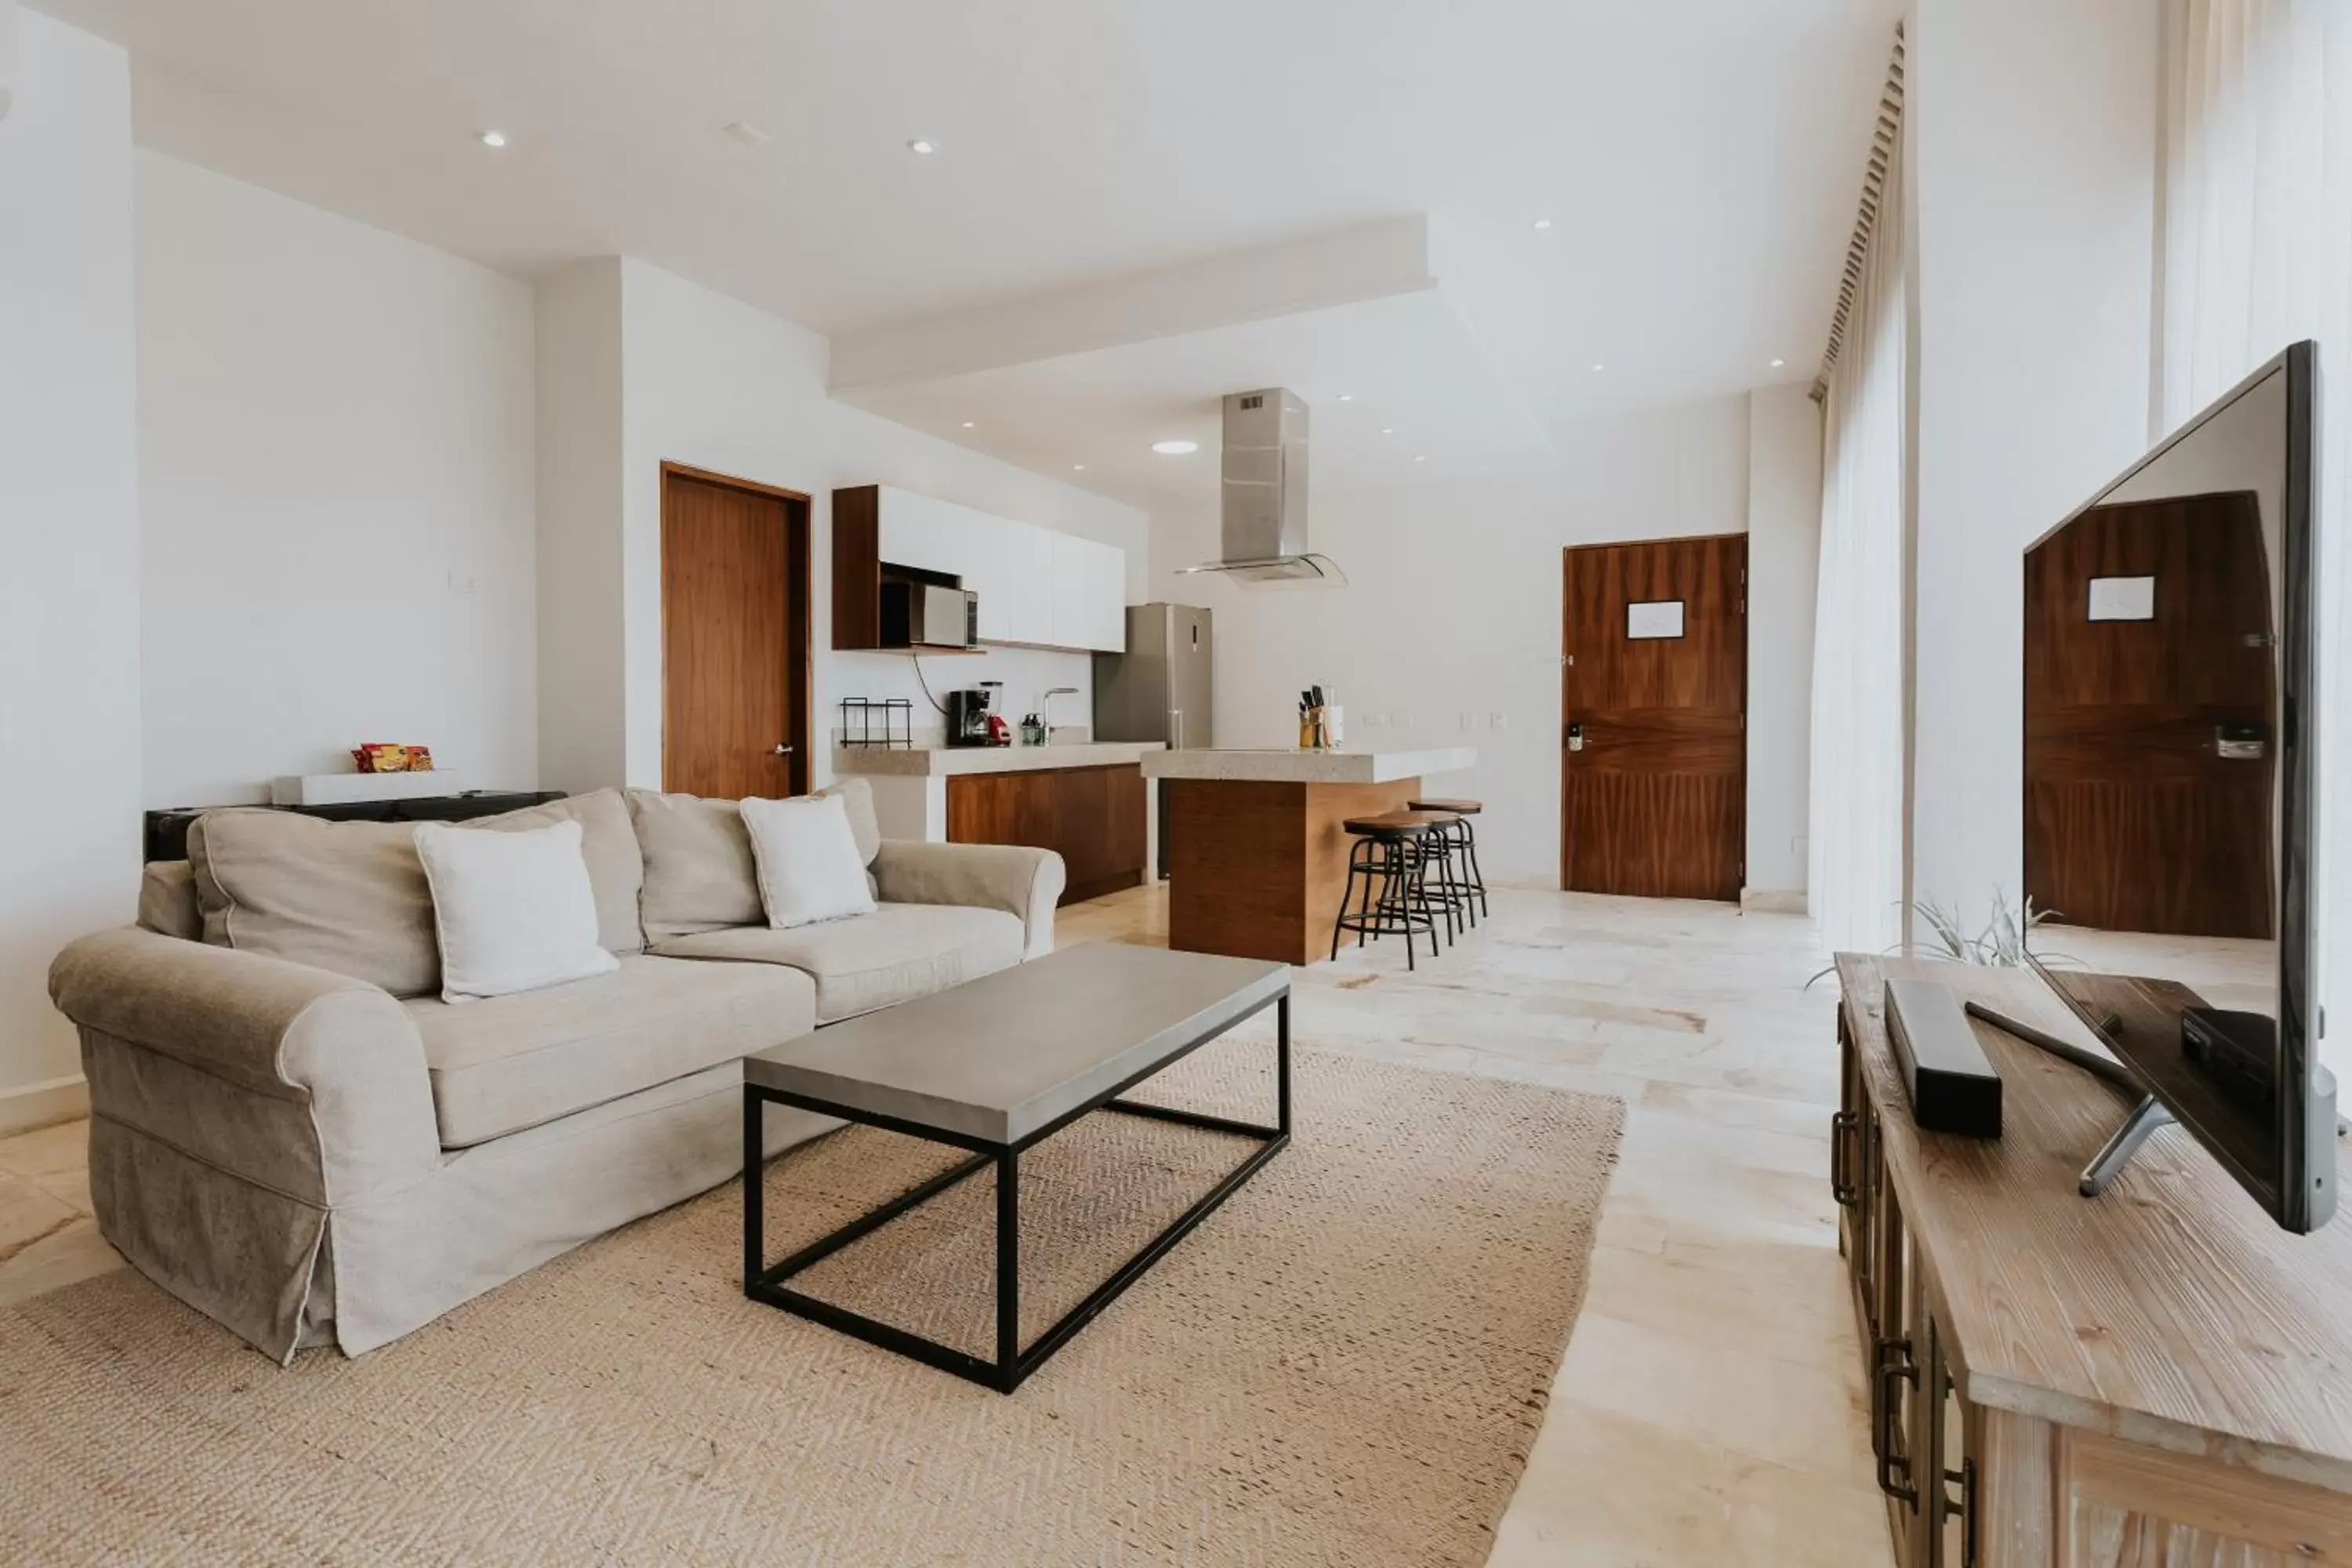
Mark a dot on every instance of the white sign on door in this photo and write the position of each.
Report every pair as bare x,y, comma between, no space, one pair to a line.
1657,618
2123,598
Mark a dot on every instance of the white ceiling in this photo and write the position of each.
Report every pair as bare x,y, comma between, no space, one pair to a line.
1700,160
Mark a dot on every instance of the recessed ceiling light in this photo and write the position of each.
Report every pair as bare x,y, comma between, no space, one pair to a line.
493,138
1543,223
967,424
1418,459
921,148
1779,363
1077,467
749,134
1597,365
1388,429
1347,397
1175,448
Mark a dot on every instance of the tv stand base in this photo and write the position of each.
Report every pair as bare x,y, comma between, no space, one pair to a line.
2109,1163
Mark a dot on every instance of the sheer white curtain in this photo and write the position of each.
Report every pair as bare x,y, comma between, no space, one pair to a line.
1854,875
2258,252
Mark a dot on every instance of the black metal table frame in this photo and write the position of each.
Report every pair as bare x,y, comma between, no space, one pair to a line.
764,1282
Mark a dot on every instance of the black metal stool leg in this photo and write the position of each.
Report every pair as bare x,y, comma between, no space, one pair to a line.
1470,856
1400,888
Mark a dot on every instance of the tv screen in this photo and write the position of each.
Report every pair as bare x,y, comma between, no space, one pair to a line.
2169,701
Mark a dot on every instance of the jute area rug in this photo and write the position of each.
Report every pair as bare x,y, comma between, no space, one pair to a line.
1345,1364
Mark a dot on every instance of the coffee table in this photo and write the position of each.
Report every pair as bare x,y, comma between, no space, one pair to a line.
997,1066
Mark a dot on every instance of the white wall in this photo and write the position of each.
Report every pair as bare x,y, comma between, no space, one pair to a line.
336,475
2032,125
70,536
583,741
1784,541
1454,607
715,384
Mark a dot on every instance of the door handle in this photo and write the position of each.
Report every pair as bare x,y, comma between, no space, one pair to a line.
783,750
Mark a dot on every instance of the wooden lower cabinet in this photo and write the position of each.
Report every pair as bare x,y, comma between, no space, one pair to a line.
1092,817
2036,1477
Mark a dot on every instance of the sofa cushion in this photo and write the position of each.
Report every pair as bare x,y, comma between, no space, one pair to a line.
350,897
699,873
897,953
856,796
510,1062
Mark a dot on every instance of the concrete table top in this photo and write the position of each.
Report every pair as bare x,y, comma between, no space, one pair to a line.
999,1058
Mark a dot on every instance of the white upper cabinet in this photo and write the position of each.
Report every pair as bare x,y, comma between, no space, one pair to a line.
1035,584
1089,594
1029,552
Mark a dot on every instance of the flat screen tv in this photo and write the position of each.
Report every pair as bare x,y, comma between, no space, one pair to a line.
2170,704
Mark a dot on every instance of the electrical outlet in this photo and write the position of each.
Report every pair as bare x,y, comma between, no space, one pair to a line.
1469,719
1498,720
1406,719
463,583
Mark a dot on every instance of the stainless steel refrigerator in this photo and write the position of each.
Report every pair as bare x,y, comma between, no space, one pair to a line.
1159,689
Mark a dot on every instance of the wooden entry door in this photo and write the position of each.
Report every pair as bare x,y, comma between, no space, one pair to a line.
735,637
1654,696
2134,819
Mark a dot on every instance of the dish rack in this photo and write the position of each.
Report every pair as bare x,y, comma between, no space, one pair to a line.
895,717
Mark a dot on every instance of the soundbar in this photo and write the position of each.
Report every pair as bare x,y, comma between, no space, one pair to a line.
1952,1084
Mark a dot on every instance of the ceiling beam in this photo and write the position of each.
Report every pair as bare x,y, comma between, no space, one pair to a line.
1375,261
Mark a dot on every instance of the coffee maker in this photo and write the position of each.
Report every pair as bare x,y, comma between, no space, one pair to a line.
968,718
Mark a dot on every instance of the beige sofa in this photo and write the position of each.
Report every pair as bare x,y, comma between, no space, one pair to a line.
290,1131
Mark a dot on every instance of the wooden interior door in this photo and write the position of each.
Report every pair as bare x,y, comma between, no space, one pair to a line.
1654,696
735,638
2134,820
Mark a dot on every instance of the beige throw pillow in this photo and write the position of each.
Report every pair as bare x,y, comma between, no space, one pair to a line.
513,911
808,860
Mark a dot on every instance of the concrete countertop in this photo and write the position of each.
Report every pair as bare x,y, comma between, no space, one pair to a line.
942,762
1294,767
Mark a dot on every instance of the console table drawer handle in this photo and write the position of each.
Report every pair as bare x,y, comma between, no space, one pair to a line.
1843,1184
1884,1371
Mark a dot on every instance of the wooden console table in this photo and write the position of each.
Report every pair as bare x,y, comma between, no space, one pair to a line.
2157,1378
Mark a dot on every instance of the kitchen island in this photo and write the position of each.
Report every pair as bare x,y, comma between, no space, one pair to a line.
1084,800
1257,852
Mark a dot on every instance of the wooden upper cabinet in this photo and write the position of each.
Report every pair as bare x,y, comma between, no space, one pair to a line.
1036,586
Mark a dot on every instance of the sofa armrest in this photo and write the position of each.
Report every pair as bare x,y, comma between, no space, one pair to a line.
340,1049
1021,881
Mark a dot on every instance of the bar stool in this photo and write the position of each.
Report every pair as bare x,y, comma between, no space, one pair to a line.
1389,859
1461,840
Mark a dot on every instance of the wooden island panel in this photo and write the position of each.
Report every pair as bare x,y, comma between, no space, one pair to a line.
1092,817
1257,869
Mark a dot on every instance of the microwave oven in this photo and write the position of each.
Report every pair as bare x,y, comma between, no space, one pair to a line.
923,615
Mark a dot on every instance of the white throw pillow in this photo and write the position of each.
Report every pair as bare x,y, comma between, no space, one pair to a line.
808,866
512,911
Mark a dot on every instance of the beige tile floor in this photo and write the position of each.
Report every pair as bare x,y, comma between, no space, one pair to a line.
1710,1407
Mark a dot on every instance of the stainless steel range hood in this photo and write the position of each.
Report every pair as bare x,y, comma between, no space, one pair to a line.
1263,504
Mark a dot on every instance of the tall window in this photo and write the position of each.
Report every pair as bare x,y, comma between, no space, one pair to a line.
1855,879
2257,253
